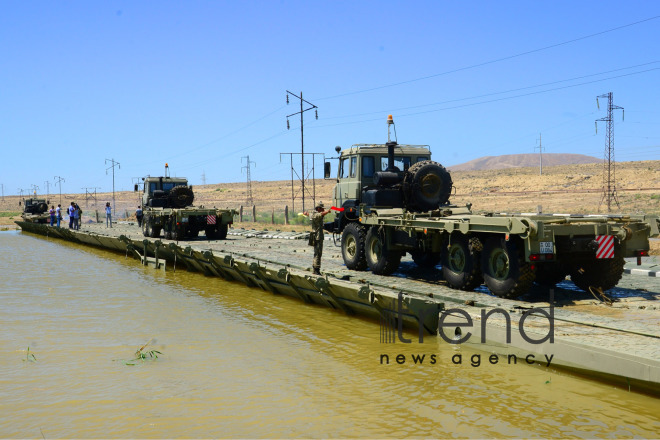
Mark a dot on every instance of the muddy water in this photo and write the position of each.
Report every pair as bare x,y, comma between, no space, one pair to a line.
240,362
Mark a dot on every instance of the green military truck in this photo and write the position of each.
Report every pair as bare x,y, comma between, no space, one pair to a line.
393,199
35,210
167,205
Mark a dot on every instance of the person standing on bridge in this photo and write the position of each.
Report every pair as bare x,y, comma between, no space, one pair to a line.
316,236
108,215
138,215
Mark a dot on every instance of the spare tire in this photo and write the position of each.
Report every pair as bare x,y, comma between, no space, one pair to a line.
41,208
426,186
180,197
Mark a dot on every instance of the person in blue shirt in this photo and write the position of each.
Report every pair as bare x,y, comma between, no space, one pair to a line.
108,215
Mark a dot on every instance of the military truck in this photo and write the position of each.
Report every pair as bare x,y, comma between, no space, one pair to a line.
167,205
35,210
393,199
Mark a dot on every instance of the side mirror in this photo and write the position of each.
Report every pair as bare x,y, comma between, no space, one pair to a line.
326,170
135,188
190,187
19,203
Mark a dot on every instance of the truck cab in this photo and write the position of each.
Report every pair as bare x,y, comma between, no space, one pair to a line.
157,190
359,164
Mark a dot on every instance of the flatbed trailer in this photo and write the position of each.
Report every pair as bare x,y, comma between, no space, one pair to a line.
508,252
180,223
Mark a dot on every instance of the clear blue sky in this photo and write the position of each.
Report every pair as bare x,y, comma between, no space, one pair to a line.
201,84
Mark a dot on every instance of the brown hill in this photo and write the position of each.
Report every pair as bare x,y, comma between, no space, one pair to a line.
523,160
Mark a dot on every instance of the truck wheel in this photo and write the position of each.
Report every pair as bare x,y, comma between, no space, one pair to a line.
211,233
426,259
155,231
604,273
380,260
505,270
222,232
549,274
352,246
146,226
460,264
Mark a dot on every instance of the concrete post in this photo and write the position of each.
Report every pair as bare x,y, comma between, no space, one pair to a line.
240,214
254,213
286,214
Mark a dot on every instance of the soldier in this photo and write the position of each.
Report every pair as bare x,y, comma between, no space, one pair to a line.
138,215
316,237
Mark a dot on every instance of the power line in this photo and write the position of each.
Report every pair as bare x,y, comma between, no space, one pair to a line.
473,66
485,95
494,100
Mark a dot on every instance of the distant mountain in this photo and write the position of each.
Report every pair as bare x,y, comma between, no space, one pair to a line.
523,160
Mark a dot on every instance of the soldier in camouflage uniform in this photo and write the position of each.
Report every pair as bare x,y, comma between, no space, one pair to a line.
316,237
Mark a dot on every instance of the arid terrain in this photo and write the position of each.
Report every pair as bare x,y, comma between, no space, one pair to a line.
561,189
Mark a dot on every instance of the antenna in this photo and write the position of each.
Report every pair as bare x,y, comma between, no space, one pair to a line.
249,200
302,139
609,177
114,164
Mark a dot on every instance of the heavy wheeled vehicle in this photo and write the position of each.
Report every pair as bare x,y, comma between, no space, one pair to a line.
35,210
167,205
393,199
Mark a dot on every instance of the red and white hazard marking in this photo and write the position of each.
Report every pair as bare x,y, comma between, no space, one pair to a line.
605,246
210,219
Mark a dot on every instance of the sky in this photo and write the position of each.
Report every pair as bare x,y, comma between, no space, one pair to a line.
201,85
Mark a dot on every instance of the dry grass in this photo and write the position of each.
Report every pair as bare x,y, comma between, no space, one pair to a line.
484,189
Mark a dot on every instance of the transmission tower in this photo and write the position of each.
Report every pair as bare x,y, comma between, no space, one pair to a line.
249,200
203,177
59,182
90,195
33,189
114,164
540,147
302,138
609,177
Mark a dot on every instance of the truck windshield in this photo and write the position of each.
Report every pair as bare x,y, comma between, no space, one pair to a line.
401,162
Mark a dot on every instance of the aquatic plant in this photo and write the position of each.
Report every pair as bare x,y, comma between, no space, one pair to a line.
30,357
142,355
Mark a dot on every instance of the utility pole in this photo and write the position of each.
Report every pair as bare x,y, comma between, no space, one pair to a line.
540,148
59,181
33,189
114,164
302,138
249,200
609,177
303,177
47,190
203,177
3,192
